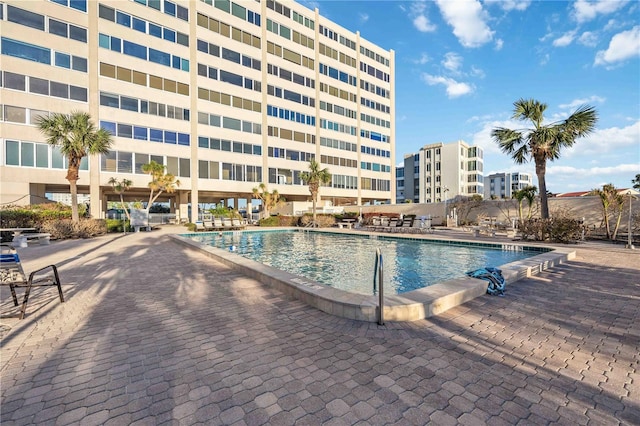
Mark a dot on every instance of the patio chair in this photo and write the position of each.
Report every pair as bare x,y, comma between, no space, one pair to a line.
226,223
200,226
12,274
393,224
407,224
217,224
237,223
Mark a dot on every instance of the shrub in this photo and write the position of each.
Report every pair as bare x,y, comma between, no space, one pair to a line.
32,216
269,221
117,225
191,227
323,220
66,228
560,228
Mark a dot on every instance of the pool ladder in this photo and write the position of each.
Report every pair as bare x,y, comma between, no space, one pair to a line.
378,273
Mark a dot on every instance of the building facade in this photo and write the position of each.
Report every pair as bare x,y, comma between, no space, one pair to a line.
440,172
226,95
503,185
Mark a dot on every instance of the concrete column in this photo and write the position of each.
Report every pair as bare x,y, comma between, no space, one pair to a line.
182,200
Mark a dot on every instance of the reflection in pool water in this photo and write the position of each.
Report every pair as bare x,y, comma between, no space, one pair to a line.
346,261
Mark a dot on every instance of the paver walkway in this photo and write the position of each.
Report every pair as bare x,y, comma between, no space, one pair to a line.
152,333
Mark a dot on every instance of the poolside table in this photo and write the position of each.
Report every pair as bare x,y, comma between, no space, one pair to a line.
18,239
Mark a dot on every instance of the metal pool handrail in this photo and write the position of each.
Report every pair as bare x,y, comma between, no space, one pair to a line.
378,272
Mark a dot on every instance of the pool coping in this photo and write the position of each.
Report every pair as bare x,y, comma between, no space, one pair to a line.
409,306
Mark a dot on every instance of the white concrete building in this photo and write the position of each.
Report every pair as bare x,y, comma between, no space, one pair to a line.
225,94
440,172
503,185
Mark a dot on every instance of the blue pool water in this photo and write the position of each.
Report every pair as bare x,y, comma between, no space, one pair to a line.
347,261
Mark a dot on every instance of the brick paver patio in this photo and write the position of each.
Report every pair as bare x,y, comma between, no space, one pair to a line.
152,333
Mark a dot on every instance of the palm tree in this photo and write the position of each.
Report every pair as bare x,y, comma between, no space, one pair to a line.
119,187
77,137
314,178
612,202
269,199
161,181
543,142
528,193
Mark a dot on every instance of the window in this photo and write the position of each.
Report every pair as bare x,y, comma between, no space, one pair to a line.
79,64
231,55
139,25
57,28
62,60
14,81
27,51
15,114
24,17
39,86
129,104
140,133
133,49
59,90
123,19
107,99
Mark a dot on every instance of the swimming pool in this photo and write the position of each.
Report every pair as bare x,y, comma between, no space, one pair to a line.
346,261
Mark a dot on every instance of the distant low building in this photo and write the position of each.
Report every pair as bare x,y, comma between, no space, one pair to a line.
66,198
503,185
622,191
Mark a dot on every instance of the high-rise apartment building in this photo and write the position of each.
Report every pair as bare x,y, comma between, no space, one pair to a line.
225,94
440,172
503,185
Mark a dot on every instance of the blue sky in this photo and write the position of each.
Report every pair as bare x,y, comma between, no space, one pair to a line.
460,65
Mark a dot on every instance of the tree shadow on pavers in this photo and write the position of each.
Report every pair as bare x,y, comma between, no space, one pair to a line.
153,331
562,346
42,300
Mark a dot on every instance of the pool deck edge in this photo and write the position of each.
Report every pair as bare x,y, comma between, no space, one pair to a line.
410,306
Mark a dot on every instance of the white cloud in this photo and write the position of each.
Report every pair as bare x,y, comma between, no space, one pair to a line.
509,5
603,141
423,25
477,72
578,102
600,142
499,44
452,61
483,139
571,171
454,88
545,59
419,19
585,10
565,40
622,46
424,58
364,17
468,20
588,39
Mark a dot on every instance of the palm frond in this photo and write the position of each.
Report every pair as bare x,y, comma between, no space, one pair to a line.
508,140
529,109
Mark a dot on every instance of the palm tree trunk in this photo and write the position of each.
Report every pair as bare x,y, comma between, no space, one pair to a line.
606,222
126,211
541,167
615,230
73,188
520,210
313,204
72,177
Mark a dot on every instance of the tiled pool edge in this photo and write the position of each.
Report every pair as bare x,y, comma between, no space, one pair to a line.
411,306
